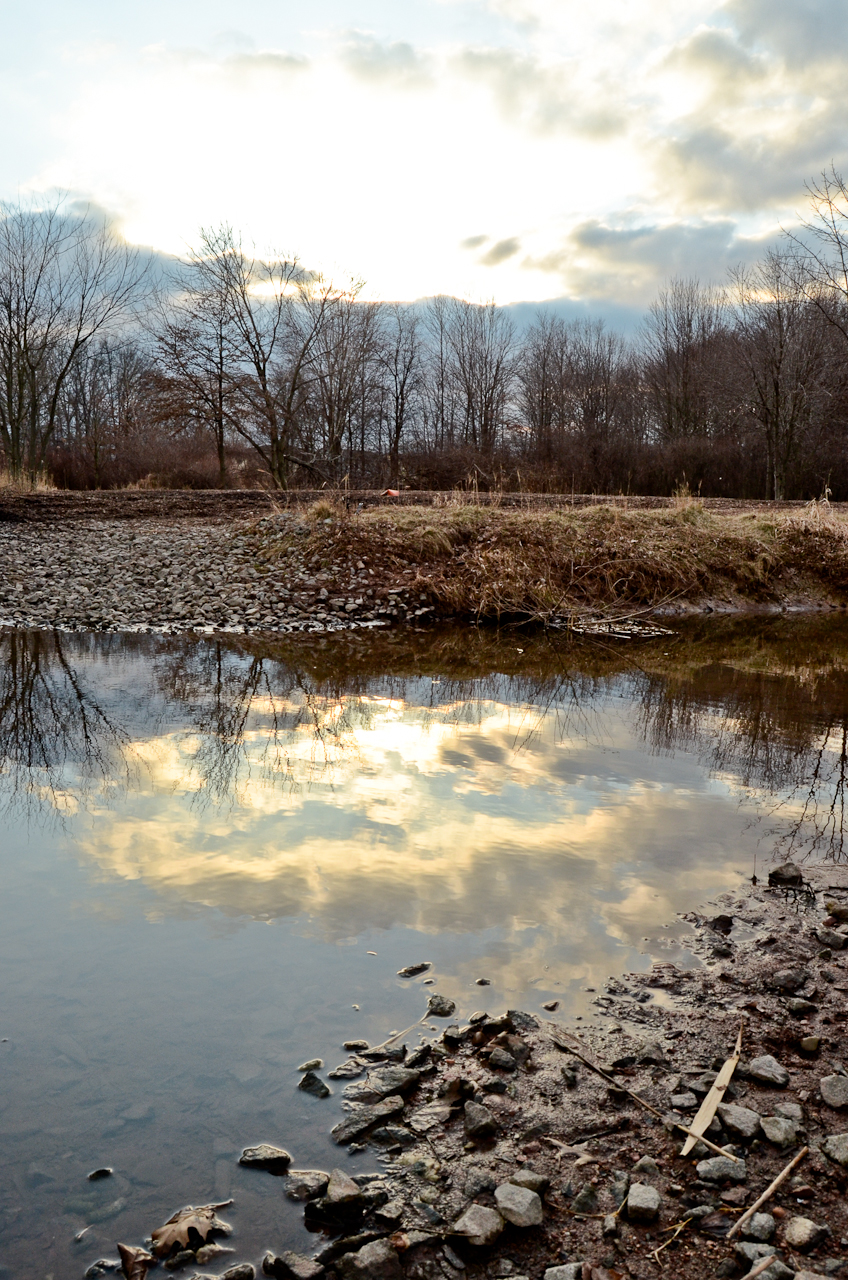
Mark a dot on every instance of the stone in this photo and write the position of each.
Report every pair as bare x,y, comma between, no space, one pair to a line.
342,1190
811,1275
586,1200
365,1118
306,1184
803,1234
531,1180
242,1271
836,1148
481,1226
479,1121
501,1060
392,1079
760,1227
651,1052
643,1202
310,1083
746,1251
610,1230
767,1070
374,1261
810,1044
721,1169
684,1101
830,938
314,1064
440,1006
353,1046
518,1205
348,1070
412,970
801,1008
390,1213
647,1165
786,874
787,980
265,1156
291,1266
741,1122
779,1130
569,1271
834,1091
791,1111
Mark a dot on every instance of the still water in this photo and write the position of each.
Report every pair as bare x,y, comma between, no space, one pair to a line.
215,858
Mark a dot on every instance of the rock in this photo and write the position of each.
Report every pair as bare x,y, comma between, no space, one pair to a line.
353,1046
830,938
481,1226
643,1202
97,1174
314,1064
790,1110
801,1008
586,1200
479,1121
721,1169
742,1122
786,874
810,1044
391,1080
390,1213
310,1083
306,1184
412,970
440,1006
348,1070
374,1261
502,1060
570,1271
684,1101
209,1252
394,1135
518,1205
101,1267
273,1159
803,1234
419,1056
779,1130
748,1252
787,980
343,1190
810,1275
834,1091
836,1148
760,1227
243,1271
650,1051
531,1180
777,1271
610,1230
647,1165
767,1070
430,1115
365,1118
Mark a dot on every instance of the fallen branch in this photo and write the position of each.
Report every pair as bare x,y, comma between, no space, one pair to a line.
768,1193
708,1107
567,1048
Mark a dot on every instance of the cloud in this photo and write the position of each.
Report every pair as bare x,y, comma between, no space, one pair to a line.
473,242
815,31
501,251
398,63
627,262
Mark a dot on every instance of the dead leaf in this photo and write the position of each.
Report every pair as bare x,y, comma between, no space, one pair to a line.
178,1229
135,1261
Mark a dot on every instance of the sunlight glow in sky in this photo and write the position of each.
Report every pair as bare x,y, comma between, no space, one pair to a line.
515,149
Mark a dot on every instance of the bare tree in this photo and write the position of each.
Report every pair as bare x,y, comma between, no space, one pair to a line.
65,281
482,345
400,357
780,341
102,402
683,348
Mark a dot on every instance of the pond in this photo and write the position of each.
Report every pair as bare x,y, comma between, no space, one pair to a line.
217,856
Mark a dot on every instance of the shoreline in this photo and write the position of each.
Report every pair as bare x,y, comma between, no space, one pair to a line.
324,569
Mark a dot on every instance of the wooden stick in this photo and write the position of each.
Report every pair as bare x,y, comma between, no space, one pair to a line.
707,1109
761,1267
768,1193
641,1101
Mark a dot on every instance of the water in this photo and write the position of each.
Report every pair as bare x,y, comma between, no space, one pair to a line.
216,857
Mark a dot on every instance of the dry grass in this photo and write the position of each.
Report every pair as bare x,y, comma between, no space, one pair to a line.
474,560
22,484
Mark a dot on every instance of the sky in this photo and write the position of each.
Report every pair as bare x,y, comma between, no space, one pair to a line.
520,150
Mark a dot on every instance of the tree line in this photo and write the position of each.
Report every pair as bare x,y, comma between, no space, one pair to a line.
240,369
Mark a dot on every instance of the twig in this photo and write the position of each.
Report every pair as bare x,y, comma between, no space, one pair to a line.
398,1034
677,1230
768,1193
708,1107
641,1101
761,1267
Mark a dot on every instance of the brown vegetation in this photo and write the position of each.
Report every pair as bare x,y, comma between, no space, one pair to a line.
491,563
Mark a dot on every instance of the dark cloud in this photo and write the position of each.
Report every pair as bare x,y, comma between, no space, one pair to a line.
718,55
798,31
473,242
544,98
627,263
500,252
397,63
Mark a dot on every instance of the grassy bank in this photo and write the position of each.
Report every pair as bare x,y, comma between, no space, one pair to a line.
491,563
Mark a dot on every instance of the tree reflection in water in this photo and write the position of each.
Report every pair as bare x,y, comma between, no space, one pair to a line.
763,705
